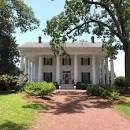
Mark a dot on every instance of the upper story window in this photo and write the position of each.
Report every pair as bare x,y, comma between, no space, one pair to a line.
66,61
47,61
85,61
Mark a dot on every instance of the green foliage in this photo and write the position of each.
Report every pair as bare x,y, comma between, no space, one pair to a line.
39,88
107,92
14,14
8,82
81,85
120,82
95,90
56,85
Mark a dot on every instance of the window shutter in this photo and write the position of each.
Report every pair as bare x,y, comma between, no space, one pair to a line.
88,61
63,61
51,77
69,61
44,60
44,76
51,61
82,76
81,61
89,77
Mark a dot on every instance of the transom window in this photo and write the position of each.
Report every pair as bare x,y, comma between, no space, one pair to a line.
66,61
85,61
85,77
47,76
47,61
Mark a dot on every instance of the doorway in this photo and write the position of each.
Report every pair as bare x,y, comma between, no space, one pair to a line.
66,77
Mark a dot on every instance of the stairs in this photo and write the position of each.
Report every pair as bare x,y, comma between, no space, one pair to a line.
67,86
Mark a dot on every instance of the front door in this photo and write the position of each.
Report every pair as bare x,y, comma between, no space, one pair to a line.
66,76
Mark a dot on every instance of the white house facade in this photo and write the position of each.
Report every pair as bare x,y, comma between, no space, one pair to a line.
86,63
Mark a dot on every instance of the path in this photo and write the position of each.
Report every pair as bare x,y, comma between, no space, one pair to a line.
75,111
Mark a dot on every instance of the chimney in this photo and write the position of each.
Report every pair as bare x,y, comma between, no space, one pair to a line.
92,39
39,39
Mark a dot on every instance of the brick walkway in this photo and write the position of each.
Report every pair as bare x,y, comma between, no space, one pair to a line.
73,110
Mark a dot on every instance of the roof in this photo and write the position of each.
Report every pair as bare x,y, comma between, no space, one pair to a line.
46,44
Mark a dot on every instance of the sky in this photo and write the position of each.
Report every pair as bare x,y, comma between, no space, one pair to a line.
45,10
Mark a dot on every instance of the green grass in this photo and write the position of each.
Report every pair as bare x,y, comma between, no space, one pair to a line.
124,108
16,113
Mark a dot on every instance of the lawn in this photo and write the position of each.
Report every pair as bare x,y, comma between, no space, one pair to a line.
15,112
124,108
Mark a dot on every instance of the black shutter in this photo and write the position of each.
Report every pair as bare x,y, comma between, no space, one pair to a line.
44,76
89,77
81,61
63,61
82,76
44,60
88,61
51,61
51,77
69,61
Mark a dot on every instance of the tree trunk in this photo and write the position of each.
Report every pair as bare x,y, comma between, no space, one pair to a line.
127,65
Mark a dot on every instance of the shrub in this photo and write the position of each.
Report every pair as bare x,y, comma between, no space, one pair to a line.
95,90
112,93
107,92
39,88
8,82
56,85
81,85
120,82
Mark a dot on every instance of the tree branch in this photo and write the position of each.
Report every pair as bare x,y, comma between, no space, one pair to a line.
94,21
107,9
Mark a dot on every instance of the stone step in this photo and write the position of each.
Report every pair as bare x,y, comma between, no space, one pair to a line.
67,86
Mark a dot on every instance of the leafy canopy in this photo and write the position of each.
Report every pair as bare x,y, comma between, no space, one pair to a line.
14,14
108,19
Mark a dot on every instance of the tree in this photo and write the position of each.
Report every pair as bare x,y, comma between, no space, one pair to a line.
108,19
13,14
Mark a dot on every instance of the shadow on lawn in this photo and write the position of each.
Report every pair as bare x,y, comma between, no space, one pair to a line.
8,125
36,106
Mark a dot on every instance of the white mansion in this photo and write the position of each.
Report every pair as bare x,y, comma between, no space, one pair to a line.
86,63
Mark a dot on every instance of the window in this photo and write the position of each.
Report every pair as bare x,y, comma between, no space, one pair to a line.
85,61
47,76
85,77
47,61
66,61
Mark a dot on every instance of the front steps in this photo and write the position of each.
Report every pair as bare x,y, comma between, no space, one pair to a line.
67,86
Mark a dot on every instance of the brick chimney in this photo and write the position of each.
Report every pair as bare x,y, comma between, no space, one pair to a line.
39,39
92,39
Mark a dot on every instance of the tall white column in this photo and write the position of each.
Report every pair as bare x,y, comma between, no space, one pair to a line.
40,69
93,69
112,71
29,70
103,72
106,71
75,69
34,72
26,66
58,69
21,69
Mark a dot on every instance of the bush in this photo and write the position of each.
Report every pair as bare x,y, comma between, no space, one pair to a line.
39,88
94,90
56,85
107,92
120,82
81,85
8,82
